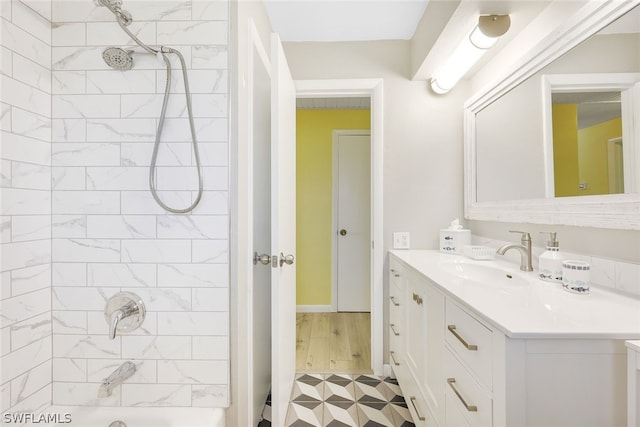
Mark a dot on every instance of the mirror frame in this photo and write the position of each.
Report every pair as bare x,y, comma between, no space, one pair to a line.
620,211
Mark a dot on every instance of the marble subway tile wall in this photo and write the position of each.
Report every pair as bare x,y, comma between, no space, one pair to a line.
25,205
109,235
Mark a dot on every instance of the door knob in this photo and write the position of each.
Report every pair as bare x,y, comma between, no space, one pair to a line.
286,259
343,232
263,259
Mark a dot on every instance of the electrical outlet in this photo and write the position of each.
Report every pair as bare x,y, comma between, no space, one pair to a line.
401,240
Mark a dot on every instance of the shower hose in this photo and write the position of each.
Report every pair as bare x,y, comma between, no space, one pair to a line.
161,52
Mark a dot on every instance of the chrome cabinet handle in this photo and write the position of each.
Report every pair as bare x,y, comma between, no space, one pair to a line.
393,328
393,357
471,347
470,408
413,402
417,298
393,300
343,232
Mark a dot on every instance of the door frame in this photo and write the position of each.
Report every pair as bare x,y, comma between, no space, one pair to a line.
334,202
372,88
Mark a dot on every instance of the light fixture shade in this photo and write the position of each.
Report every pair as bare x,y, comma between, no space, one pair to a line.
480,39
470,50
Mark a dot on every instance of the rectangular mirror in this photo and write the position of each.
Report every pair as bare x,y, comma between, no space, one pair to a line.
555,141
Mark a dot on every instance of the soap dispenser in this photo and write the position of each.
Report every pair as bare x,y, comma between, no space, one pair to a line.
550,262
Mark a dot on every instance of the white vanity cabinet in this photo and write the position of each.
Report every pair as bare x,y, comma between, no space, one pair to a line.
416,319
459,366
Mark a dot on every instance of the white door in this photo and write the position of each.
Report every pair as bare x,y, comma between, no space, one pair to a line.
283,232
260,282
353,190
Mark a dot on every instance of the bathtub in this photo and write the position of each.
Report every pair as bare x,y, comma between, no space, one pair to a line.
87,416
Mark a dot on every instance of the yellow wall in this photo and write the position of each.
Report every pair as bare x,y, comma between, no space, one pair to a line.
314,197
593,155
565,149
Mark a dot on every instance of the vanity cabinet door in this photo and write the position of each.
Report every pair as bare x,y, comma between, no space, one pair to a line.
425,340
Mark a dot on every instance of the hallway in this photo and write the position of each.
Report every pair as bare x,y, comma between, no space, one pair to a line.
333,342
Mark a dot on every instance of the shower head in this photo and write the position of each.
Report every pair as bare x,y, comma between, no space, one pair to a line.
118,58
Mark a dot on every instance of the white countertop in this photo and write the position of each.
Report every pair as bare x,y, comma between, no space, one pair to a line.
538,309
634,345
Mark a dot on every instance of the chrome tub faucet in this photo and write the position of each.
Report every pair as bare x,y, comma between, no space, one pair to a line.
116,378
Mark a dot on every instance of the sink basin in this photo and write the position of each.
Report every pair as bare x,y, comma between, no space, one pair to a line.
484,273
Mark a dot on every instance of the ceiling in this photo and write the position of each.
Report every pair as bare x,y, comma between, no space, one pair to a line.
345,20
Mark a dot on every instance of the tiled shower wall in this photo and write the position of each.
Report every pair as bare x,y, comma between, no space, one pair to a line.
108,233
25,204
78,223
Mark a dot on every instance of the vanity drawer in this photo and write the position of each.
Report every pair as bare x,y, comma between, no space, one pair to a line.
395,273
471,341
464,397
417,405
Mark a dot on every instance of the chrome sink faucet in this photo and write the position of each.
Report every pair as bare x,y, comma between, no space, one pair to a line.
524,248
116,378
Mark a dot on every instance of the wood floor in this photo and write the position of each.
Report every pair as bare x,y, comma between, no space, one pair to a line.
333,342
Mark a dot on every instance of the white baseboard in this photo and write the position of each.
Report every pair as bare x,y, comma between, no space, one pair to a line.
314,309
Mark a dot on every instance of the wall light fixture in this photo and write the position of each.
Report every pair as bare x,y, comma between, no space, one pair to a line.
473,46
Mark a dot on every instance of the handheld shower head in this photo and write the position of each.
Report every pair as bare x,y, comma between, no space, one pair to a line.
118,58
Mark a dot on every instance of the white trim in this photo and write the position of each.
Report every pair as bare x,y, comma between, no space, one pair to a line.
334,207
374,89
610,211
314,309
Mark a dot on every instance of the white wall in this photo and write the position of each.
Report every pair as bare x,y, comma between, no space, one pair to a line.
25,221
422,134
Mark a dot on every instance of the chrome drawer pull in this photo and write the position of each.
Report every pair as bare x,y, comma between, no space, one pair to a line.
393,357
393,300
470,408
393,328
452,329
417,298
413,402
395,273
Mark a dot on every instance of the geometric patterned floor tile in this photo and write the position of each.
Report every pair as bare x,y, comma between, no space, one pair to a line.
401,416
375,414
339,414
339,392
308,388
302,414
340,400
373,392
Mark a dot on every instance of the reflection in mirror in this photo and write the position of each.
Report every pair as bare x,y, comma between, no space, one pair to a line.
587,143
512,161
